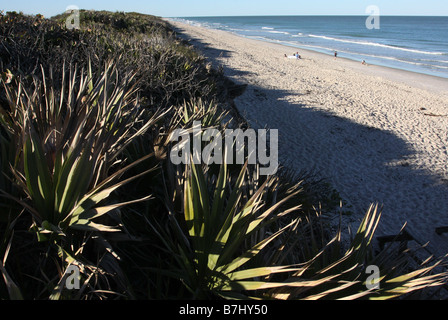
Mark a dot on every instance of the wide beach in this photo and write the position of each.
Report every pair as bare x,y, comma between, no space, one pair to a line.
378,135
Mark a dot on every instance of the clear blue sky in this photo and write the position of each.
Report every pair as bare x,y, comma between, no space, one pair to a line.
183,8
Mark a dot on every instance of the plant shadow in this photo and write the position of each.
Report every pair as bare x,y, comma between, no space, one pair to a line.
364,164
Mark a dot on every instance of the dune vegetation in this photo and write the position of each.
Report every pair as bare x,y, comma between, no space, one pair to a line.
86,181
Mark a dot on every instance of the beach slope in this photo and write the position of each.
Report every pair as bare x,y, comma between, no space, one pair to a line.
376,134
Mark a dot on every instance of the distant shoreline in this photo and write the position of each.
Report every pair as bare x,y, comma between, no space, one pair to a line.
351,38
419,80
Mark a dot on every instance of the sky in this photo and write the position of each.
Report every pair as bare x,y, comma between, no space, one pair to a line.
194,8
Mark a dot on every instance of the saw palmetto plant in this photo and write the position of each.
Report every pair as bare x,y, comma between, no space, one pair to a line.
226,242
65,142
69,142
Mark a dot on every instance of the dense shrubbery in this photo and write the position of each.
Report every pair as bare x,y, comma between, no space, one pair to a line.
170,72
85,117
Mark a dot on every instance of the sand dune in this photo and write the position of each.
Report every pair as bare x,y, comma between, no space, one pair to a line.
377,134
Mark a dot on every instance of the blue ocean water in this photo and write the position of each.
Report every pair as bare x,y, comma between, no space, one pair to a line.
418,44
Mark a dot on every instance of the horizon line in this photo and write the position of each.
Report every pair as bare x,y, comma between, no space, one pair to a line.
249,15
306,15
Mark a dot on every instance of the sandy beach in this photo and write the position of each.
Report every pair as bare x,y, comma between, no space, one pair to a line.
376,134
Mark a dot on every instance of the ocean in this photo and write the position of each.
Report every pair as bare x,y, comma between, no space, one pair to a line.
418,44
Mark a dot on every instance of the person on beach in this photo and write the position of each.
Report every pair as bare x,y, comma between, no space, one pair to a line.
291,57
364,62
335,54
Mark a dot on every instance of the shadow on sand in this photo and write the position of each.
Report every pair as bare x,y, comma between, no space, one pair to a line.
366,165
